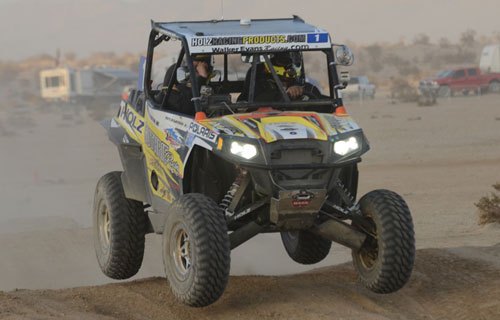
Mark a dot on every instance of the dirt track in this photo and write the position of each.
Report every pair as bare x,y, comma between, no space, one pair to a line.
441,159
445,285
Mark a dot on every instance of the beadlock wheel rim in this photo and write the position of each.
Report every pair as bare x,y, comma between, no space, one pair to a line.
104,227
181,252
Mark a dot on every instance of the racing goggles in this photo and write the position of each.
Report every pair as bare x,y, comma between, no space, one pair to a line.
287,66
291,71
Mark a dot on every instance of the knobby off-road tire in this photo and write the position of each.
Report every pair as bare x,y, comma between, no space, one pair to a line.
196,250
119,229
384,264
305,247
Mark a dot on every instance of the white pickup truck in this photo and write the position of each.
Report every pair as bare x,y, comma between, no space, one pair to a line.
359,87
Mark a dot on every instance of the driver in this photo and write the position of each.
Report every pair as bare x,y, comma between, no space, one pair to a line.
288,67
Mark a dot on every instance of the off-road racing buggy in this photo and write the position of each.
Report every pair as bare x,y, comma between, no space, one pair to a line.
234,168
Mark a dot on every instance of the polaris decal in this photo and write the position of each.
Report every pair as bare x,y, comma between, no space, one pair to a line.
202,132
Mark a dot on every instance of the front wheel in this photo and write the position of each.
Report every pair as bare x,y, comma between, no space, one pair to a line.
196,250
385,261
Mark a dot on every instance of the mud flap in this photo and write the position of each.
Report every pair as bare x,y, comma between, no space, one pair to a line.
133,176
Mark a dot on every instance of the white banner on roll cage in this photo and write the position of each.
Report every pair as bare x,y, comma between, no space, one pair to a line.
258,43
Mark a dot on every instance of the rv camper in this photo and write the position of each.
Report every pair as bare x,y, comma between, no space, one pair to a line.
67,84
490,59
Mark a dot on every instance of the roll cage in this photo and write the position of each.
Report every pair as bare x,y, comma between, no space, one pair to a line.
161,33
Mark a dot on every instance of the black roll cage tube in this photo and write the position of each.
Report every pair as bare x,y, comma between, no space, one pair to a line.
154,41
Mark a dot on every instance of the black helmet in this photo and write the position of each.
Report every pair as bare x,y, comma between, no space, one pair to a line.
288,65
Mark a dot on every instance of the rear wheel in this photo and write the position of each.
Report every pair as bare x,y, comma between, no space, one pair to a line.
196,250
494,87
119,229
305,247
385,262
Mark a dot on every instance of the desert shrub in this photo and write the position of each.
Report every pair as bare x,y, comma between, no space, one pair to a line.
489,207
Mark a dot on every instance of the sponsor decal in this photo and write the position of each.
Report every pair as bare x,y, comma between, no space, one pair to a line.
190,140
249,123
314,120
176,122
317,37
173,138
202,132
288,130
302,199
132,119
226,129
162,150
259,43
241,40
343,124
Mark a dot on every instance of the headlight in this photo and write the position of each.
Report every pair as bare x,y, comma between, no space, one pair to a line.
346,146
244,150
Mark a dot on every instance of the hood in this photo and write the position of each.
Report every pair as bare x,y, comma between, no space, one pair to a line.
273,126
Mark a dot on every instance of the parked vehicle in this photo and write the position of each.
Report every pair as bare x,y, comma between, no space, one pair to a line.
211,177
359,87
490,59
68,84
467,80
427,93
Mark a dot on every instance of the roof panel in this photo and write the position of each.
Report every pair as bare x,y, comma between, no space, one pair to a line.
233,27
231,36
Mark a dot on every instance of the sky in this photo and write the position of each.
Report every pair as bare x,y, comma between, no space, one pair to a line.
31,27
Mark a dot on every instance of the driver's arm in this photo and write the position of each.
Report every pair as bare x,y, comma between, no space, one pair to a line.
295,92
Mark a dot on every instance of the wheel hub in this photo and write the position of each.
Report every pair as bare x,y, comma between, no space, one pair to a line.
182,251
105,227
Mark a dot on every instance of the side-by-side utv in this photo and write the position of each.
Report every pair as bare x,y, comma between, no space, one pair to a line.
232,164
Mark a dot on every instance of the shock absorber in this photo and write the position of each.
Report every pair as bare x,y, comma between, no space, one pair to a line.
233,189
346,196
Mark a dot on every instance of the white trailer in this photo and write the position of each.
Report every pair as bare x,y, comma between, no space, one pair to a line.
490,59
68,84
58,84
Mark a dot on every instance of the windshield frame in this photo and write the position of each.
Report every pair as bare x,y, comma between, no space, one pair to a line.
333,100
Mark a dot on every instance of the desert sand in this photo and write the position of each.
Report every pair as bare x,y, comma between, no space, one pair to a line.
442,159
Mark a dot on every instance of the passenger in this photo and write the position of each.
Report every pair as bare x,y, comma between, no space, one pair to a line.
180,99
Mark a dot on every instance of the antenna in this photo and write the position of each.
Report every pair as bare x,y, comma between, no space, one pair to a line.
222,9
